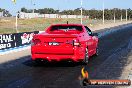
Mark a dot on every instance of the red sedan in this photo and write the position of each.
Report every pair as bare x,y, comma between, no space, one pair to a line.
73,42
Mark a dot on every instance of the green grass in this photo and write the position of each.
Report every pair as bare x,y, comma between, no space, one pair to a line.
7,30
40,24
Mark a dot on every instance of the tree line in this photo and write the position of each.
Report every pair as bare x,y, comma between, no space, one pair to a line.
92,13
6,13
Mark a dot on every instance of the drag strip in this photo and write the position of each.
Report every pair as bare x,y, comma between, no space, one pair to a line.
114,47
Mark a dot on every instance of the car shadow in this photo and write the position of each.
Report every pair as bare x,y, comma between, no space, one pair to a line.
31,63
26,61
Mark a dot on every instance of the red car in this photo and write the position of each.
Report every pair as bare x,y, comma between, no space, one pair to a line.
72,42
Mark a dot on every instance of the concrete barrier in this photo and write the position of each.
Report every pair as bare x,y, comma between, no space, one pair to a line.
13,42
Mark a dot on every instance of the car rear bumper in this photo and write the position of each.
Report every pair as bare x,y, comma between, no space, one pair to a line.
75,54
49,57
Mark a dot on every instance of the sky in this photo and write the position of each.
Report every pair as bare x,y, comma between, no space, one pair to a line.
63,4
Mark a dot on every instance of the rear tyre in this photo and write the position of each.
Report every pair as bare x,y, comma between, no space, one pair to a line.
86,59
97,51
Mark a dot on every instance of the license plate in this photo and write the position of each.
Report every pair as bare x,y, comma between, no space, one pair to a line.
53,43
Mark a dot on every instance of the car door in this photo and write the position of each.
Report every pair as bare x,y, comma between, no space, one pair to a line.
90,41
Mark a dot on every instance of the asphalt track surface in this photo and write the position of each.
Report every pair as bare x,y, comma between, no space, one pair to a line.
23,73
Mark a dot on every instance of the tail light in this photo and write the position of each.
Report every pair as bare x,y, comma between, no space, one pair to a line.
35,42
76,42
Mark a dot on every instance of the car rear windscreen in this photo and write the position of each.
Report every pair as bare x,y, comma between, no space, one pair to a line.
66,28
